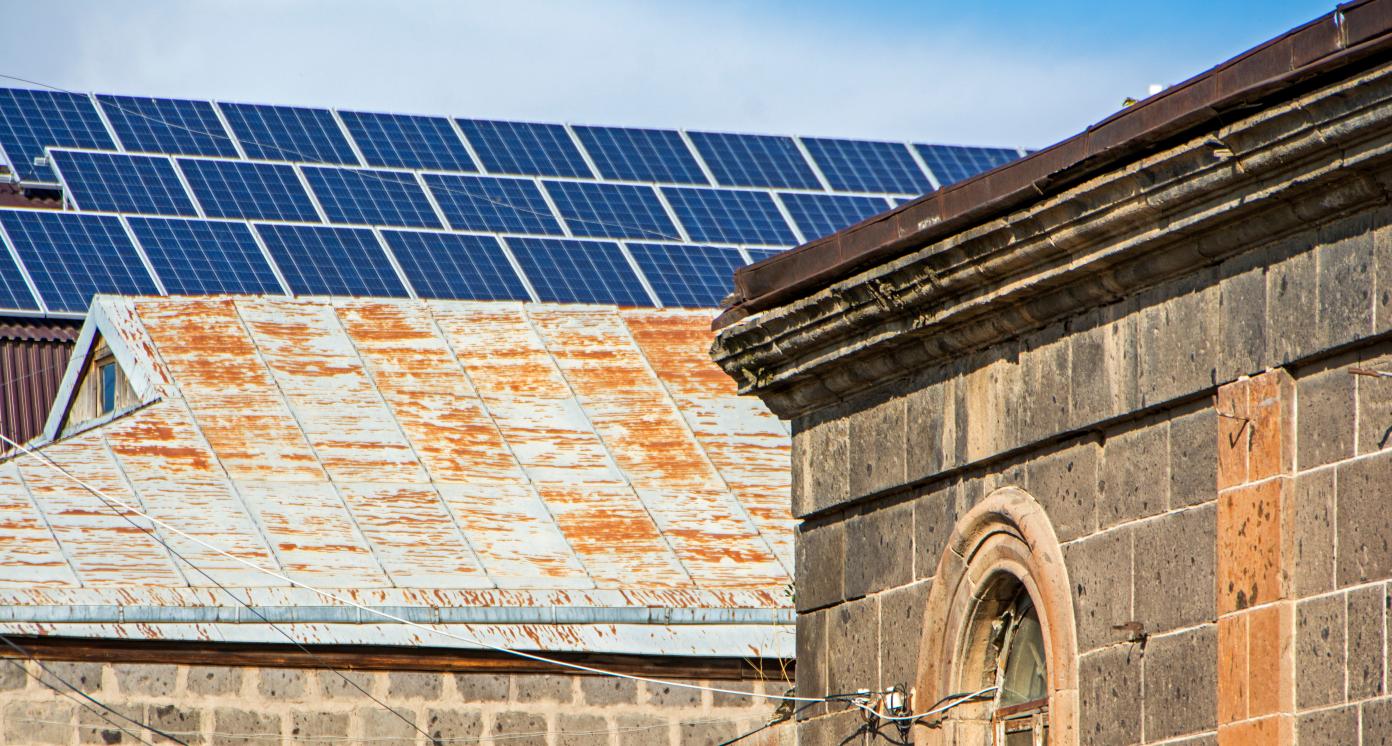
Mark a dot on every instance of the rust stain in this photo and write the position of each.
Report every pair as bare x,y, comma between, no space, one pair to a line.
29,555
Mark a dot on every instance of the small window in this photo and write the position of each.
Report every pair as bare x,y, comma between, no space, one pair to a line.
1021,715
108,387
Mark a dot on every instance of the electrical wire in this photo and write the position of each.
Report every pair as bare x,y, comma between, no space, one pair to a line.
47,460
935,711
16,647
294,157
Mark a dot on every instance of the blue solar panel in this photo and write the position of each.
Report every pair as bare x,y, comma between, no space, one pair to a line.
566,271
287,133
114,182
758,255
32,120
366,197
952,163
755,160
641,155
72,256
322,260
491,203
824,214
256,191
686,275
525,148
166,125
452,265
405,141
729,216
203,257
14,292
612,210
863,166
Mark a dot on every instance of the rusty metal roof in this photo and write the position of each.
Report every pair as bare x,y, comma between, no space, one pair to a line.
557,477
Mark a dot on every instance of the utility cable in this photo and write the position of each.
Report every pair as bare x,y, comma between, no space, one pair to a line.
15,646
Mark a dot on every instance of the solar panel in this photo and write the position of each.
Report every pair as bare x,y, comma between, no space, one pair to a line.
566,271
369,197
115,182
952,163
323,260
202,257
863,166
755,160
492,203
758,255
253,191
167,125
729,216
406,141
452,265
686,275
525,148
612,210
72,256
641,155
820,215
14,292
288,133
32,120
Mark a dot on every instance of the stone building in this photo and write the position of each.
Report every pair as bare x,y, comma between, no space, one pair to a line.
1103,434
307,520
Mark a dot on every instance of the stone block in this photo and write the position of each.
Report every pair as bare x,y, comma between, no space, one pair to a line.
183,723
853,643
1364,550
828,473
283,684
1325,417
1375,402
984,398
231,726
213,681
538,687
836,729
380,724
454,725
1311,526
1345,262
1135,474
642,730
1270,659
1233,407
930,423
93,728
1109,706
1250,545
1319,651
935,515
48,722
901,617
812,662
1336,727
881,556
414,685
1241,319
481,687
343,684
581,730
1232,668
713,733
145,679
512,723
12,674
797,458
726,700
605,691
665,695
1267,731
83,675
1181,683
1048,387
1175,569
1193,458
1271,402
1292,291
311,724
820,554
1100,570
1177,344
1065,482
1366,655
1377,722
877,443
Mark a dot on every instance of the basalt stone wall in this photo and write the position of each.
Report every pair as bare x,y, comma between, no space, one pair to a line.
249,706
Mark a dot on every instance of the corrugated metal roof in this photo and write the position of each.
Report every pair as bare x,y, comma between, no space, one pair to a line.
422,455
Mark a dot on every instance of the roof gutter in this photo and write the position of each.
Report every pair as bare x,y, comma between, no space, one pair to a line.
1352,33
548,615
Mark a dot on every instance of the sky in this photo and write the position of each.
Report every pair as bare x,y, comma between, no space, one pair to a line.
1012,72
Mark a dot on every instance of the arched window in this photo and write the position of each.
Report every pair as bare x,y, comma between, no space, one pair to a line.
1000,618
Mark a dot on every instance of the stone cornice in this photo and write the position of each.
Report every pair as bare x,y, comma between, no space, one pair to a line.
1187,206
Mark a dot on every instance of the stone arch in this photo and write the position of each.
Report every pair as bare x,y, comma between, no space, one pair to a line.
1005,539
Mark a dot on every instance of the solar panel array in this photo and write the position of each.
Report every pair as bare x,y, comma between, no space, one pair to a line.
199,197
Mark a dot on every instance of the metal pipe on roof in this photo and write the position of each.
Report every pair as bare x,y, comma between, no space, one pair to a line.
561,615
